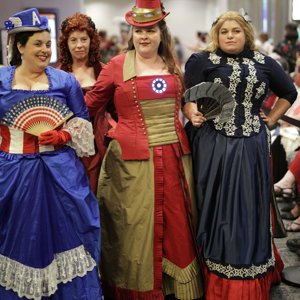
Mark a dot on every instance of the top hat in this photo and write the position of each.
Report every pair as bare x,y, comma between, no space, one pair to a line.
26,20
146,13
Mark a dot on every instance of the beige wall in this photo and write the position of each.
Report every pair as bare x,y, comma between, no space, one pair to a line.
278,14
185,19
189,16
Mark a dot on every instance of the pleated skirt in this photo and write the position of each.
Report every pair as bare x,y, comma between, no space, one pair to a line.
233,182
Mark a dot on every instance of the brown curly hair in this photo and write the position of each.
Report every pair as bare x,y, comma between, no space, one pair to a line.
78,22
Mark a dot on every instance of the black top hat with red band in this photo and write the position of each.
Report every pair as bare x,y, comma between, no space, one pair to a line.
146,13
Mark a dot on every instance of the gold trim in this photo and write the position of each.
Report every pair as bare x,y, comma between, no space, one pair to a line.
185,283
129,65
143,15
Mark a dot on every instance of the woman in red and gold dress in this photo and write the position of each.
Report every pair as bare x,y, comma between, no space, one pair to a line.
145,188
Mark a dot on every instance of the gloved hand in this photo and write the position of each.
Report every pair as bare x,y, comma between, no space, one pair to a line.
54,137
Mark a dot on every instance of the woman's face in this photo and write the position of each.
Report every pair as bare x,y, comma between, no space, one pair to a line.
79,45
146,40
232,37
37,51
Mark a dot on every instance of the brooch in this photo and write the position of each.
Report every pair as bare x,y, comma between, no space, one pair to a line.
159,85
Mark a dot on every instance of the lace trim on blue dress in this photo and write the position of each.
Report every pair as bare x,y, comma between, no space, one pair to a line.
82,140
34,283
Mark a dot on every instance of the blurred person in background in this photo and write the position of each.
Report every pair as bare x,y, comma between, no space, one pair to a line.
290,45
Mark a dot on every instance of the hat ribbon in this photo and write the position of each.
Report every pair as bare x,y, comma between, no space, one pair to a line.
143,15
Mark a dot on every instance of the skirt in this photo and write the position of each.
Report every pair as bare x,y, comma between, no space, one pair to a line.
146,216
233,184
49,228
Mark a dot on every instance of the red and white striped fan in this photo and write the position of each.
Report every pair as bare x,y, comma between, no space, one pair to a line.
37,114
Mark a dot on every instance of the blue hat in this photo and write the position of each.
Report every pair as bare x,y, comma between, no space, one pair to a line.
26,20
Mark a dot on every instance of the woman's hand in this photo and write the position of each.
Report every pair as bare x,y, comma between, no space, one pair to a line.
197,119
268,120
54,137
195,116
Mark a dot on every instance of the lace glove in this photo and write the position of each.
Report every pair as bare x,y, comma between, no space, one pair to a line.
54,137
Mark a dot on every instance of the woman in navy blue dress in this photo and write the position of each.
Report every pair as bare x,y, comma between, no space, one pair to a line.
232,162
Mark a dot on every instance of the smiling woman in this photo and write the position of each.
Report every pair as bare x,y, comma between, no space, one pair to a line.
49,218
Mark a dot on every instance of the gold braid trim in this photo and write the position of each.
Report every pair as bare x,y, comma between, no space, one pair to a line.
143,15
185,283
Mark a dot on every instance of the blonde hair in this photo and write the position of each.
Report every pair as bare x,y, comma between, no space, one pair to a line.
231,16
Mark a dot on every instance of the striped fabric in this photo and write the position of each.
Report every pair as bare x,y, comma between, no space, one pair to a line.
19,142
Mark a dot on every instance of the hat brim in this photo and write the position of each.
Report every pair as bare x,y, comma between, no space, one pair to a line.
129,20
27,28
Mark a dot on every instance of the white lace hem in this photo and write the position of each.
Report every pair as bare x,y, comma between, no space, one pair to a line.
82,140
34,283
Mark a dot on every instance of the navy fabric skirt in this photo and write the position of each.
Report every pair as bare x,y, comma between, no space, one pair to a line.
232,177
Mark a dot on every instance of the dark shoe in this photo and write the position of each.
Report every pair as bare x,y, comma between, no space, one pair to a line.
293,244
293,227
288,216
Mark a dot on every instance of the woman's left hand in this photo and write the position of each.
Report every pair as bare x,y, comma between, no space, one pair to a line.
54,137
269,122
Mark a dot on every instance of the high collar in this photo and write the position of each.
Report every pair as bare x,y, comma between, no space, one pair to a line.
246,53
129,65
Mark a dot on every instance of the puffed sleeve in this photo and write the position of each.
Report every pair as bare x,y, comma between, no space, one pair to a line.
103,91
195,69
280,82
79,126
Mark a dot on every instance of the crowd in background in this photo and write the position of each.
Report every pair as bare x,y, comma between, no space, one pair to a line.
130,95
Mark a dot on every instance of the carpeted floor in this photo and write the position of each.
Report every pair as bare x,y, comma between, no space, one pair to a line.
284,291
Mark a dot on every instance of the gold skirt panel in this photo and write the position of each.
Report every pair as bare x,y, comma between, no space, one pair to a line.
126,196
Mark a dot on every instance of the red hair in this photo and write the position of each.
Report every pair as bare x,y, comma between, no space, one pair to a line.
80,22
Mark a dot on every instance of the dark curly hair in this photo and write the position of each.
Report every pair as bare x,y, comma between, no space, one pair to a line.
78,22
21,38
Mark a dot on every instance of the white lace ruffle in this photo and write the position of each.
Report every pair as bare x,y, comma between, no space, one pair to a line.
82,140
34,283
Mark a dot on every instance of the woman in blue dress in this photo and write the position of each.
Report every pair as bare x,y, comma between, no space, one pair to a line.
49,218
231,162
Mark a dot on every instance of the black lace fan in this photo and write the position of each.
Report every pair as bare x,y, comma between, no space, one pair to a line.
213,100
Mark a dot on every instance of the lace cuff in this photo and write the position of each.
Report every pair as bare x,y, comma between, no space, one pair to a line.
82,140
34,283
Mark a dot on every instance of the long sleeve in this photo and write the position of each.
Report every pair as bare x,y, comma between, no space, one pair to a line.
103,91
